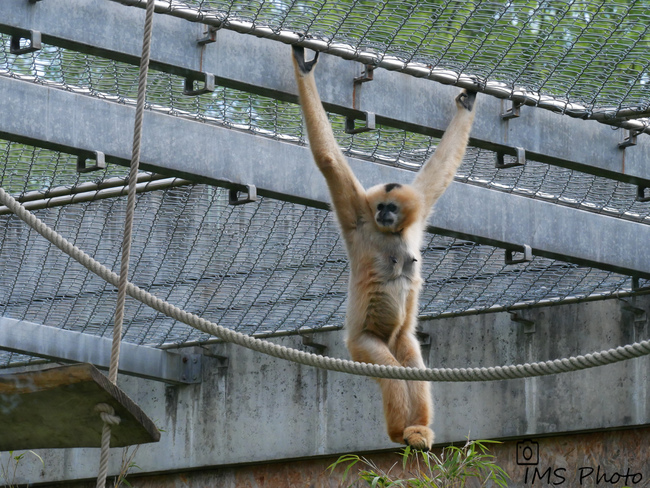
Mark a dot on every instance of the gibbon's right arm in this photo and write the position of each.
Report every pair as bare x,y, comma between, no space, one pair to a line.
438,172
348,196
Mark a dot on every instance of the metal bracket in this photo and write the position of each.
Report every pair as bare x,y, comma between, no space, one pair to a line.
368,74
208,85
527,255
641,194
636,284
630,138
34,43
234,198
100,162
209,36
520,159
350,124
308,340
529,325
640,315
513,112
191,370
222,362
424,338
425,345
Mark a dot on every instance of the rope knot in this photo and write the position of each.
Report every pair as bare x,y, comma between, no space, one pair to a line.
107,413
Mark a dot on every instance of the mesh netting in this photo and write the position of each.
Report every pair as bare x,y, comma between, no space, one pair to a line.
266,267
595,53
274,266
260,267
269,117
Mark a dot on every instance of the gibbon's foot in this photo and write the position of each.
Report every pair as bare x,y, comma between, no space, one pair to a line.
299,54
466,99
418,437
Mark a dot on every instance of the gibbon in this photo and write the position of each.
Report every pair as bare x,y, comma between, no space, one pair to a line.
383,229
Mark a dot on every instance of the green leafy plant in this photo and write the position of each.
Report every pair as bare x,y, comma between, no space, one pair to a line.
8,468
453,468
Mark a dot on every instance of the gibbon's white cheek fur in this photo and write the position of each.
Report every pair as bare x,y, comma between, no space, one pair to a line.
382,228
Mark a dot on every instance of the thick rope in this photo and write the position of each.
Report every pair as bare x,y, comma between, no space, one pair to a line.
128,228
107,414
130,204
527,370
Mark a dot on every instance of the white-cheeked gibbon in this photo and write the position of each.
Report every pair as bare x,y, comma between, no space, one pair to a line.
383,229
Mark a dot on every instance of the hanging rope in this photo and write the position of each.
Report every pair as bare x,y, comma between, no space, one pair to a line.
130,204
108,416
565,365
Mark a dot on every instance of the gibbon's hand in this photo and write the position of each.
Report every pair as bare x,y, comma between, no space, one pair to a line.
466,99
304,66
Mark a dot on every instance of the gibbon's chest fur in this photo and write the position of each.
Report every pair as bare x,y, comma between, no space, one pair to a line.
384,277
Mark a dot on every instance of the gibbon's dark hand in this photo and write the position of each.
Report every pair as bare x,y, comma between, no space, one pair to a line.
466,99
299,54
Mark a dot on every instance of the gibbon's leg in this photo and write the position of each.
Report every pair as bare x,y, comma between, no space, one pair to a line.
408,409
408,352
369,348
417,433
437,173
395,398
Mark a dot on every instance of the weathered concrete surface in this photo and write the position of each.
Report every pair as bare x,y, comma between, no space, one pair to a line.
612,458
259,409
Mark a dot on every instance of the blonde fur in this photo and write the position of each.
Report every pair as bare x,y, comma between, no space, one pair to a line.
383,229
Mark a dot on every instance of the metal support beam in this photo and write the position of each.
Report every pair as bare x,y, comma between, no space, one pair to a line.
206,153
63,345
245,63
93,193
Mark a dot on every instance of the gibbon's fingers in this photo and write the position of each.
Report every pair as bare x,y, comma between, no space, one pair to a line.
466,99
299,55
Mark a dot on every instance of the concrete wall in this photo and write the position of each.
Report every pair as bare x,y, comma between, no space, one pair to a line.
257,409
610,458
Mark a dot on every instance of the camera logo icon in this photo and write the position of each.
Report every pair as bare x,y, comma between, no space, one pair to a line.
527,453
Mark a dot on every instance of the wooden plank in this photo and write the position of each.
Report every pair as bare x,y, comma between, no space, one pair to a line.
55,408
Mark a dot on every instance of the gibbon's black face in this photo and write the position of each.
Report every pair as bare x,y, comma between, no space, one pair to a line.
394,206
387,214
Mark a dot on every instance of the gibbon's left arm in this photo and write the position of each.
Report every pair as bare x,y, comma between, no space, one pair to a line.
438,172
